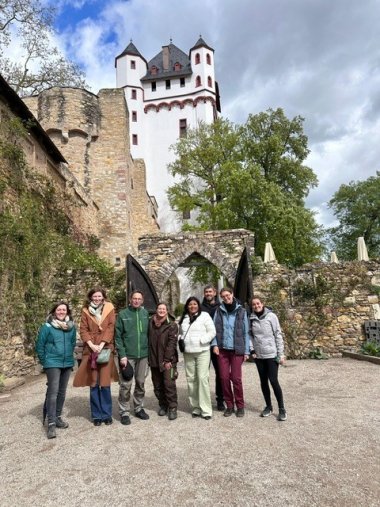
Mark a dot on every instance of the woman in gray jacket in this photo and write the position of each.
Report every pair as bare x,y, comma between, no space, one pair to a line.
267,348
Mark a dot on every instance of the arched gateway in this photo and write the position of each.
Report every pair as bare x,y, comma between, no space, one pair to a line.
159,255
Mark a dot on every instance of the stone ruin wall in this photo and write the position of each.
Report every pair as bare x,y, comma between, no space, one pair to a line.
333,321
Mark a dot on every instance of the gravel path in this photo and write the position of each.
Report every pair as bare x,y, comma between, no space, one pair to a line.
326,454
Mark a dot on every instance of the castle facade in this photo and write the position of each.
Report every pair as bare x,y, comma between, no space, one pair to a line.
166,95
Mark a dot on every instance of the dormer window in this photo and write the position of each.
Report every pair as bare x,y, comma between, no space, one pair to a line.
209,82
154,70
208,59
198,81
177,67
197,58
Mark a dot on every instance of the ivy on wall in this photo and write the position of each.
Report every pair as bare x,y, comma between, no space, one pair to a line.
38,242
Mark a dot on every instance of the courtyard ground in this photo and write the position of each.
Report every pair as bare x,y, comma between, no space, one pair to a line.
326,454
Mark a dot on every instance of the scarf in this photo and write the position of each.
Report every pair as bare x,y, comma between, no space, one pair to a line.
159,321
65,325
230,307
96,310
92,361
193,317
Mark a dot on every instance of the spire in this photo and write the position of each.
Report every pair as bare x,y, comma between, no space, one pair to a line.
131,49
201,44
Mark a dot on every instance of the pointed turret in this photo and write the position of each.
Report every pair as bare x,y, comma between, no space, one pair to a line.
201,44
131,50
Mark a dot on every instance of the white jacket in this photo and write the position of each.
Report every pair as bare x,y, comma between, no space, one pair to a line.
199,334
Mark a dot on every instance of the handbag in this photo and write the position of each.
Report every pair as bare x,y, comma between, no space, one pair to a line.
181,341
103,356
181,345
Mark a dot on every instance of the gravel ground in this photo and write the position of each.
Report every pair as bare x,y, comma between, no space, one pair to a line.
326,454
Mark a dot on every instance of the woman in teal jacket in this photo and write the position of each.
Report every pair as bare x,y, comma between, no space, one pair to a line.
55,350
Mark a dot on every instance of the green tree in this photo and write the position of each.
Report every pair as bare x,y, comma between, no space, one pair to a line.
251,177
29,23
357,207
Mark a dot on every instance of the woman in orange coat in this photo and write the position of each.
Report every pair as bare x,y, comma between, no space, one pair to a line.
97,333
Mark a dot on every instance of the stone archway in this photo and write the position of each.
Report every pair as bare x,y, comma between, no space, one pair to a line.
161,254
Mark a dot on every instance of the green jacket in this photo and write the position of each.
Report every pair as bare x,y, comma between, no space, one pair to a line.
55,347
131,333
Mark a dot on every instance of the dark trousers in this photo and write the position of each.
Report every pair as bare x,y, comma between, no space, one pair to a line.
57,380
268,372
218,385
164,387
101,402
230,368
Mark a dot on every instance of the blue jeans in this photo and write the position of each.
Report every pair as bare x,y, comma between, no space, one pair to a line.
101,402
57,380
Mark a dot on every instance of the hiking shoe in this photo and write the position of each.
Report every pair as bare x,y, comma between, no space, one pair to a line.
60,423
220,406
195,414
108,421
240,412
124,419
97,422
172,414
228,412
282,415
51,430
206,417
266,412
141,414
163,411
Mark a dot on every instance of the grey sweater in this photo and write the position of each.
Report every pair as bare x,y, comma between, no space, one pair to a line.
266,335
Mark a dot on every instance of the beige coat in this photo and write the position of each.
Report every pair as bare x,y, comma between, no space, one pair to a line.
97,332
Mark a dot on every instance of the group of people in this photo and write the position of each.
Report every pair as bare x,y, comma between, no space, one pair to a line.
122,348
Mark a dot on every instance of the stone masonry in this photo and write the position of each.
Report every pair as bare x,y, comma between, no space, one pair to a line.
161,254
92,132
322,305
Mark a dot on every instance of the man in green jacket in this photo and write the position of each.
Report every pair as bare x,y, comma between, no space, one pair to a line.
131,336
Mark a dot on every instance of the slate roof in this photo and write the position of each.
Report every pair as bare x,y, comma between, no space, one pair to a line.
175,55
131,49
201,44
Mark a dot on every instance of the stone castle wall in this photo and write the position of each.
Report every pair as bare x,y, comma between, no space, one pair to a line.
92,132
83,213
322,305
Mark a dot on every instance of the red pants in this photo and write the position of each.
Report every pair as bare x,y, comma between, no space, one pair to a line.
230,371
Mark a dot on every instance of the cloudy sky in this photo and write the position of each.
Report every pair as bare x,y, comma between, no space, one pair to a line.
316,58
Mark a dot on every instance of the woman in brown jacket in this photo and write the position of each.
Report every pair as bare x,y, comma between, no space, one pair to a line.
163,358
97,333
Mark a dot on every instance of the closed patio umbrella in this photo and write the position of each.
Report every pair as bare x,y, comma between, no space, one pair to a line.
362,250
333,258
269,253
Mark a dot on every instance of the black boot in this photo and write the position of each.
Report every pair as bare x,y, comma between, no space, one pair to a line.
172,414
51,430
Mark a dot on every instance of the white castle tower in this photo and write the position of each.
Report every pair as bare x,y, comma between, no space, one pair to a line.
166,96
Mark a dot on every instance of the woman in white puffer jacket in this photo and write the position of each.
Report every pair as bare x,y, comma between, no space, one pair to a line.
197,330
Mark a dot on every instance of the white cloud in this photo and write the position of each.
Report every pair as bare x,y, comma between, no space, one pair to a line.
315,58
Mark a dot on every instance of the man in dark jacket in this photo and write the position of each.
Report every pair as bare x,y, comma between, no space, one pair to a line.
131,337
209,305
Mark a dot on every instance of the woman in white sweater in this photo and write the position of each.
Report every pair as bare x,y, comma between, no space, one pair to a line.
197,330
